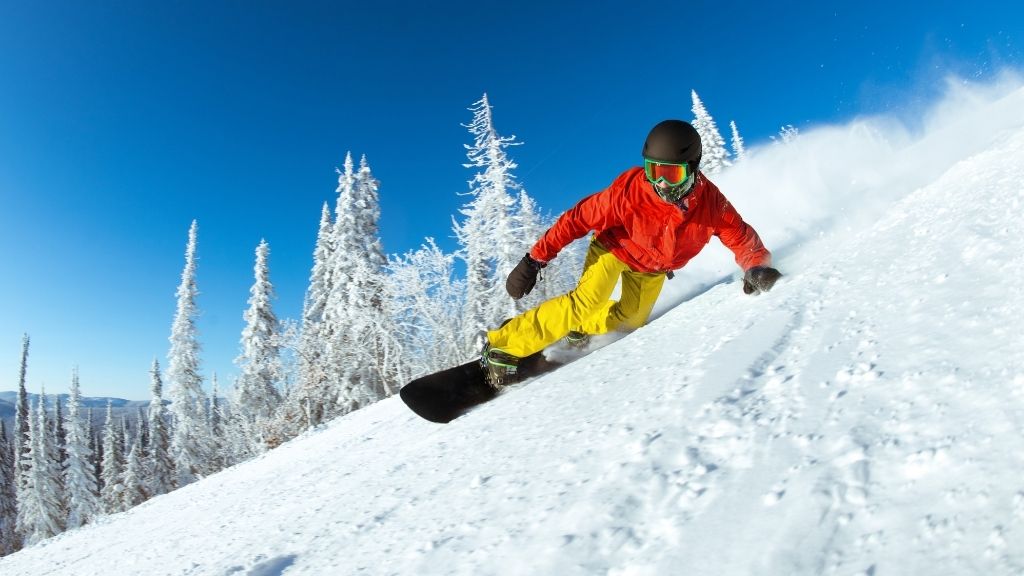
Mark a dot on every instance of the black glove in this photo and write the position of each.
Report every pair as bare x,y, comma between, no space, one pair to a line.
523,277
760,279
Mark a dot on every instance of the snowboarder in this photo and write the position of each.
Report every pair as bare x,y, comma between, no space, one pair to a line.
647,223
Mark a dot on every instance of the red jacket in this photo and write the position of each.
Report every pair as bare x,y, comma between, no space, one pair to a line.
649,234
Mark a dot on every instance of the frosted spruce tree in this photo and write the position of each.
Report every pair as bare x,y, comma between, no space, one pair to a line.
739,150
8,495
111,491
715,157
161,466
214,414
190,437
22,418
59,433
96,445
133,480
143,427
41,510
256,390
490,237
335,331
355,298
306,405
79,474
378,340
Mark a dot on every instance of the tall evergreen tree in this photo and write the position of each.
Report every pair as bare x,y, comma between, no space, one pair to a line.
490,243
377,338
59,433
79,474
739,150
96,446
257,395
133,481
190,440
8,495
715,157
354,304
22,419
113,466
143,427
336,331
161,465
306,405
216,425
41,511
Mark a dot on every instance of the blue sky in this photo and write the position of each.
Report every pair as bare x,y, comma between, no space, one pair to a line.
121,122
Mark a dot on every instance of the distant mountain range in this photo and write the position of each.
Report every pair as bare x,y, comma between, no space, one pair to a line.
98,404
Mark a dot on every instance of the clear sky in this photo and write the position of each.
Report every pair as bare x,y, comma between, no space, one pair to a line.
121,122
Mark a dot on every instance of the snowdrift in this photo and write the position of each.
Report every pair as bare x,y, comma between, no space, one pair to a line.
863,418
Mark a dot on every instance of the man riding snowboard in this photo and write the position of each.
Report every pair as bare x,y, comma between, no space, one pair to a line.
647,223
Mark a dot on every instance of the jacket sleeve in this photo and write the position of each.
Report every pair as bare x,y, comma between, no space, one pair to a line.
739,236
595,212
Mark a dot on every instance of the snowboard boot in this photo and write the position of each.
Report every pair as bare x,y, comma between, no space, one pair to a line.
500,367
577,340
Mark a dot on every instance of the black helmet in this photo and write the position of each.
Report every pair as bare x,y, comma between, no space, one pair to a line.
674,141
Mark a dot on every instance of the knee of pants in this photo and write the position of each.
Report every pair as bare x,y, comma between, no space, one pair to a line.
584,306
628,319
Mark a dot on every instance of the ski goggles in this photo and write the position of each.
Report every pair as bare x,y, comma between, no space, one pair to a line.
671,174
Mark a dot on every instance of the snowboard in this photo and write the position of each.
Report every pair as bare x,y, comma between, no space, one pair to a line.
444,396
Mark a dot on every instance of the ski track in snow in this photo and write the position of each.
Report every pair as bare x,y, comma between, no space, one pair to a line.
863,418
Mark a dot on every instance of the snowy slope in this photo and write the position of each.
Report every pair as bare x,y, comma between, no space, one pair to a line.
865,417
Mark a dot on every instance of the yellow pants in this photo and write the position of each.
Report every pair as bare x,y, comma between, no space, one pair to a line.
586,309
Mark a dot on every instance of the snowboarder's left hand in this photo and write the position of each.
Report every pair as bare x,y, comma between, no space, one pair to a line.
760,279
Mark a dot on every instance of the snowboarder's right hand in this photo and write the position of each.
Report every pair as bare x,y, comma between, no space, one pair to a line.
760,279
523,277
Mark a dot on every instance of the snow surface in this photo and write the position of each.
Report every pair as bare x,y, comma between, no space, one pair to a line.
864,418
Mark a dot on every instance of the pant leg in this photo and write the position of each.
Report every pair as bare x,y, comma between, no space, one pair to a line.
535,329
639,293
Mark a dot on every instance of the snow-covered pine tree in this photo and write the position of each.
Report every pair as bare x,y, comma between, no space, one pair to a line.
59,435
306,404
133,481
124,444
190,443
41,514
336,330
378,339
161,466
715,157
143,427
216,424
79,474
256,390
356,268
113,466
22,418
8,495
427,300
739,150
490,242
